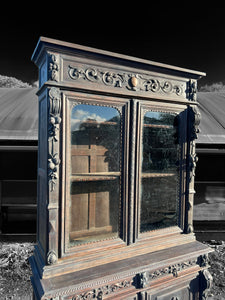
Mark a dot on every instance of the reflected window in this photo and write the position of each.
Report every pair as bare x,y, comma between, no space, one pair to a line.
159,177
95,173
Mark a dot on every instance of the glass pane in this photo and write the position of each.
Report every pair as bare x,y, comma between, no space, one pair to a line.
95,173
160,161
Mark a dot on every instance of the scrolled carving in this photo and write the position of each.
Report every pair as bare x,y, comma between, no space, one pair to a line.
132,82
167,87
92,74
172,269
75,73
100,292
152,85
178,90
113,79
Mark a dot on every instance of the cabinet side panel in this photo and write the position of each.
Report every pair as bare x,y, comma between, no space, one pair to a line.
42,174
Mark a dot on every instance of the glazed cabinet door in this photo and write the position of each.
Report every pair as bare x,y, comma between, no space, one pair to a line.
95,173
160,171
95,163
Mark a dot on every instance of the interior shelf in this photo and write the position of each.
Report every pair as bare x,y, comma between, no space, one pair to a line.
159,126
94,122
95,176
150,175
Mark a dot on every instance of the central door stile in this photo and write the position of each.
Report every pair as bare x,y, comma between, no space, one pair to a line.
133,207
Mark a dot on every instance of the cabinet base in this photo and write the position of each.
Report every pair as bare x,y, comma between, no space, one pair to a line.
176,273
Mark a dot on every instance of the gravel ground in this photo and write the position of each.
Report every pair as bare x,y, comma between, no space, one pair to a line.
15,270
217,270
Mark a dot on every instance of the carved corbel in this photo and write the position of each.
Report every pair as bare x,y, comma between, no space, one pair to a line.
206,284
194,121
53,67
192,90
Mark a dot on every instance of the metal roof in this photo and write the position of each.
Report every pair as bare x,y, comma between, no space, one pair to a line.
18,114
212,125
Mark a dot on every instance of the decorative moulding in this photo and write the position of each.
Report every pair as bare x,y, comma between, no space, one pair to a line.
138,82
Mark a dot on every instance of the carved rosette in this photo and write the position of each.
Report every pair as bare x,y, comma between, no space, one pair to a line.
128,81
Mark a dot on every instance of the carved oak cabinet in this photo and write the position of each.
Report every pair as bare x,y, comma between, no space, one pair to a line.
116,167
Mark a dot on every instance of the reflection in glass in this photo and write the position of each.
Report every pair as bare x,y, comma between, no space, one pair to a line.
159,180
95,173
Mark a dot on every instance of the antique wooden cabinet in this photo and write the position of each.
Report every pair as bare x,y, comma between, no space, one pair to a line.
116,167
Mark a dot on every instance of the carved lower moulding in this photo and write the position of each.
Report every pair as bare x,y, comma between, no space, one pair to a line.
137,281
99,293
129,81
144,278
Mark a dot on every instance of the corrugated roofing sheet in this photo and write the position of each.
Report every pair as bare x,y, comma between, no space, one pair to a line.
18,114
212,125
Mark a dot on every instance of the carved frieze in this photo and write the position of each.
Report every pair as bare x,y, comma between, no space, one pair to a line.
144,278
128,81
141,280
100,293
